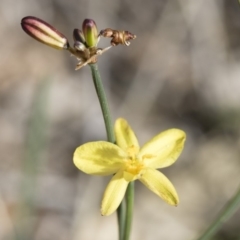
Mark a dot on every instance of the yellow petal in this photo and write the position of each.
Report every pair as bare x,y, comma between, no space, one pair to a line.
159,184
114,194
125,137
99,158
164,149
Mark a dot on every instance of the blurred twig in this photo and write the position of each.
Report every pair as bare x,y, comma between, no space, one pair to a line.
227,212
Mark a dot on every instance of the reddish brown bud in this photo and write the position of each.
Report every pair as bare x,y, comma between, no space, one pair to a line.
78,36
44,32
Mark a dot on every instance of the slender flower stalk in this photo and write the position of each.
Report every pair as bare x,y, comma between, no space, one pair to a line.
121,216
129,210
121,212
103,102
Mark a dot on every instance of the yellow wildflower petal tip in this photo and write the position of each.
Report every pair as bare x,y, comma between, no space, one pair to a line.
114,194
164,149
125,137
160,185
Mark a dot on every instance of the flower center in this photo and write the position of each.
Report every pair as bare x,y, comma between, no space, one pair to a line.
133,165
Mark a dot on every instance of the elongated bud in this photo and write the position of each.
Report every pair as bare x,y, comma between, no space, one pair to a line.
44,33
90,32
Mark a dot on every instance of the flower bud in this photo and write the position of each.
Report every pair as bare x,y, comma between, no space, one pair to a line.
90,32
78,36
44,33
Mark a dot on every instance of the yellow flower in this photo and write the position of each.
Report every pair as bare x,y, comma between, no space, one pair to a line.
128,162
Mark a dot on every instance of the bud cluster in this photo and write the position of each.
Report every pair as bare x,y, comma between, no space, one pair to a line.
85,40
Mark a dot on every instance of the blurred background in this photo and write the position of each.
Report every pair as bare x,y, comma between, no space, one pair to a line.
182,71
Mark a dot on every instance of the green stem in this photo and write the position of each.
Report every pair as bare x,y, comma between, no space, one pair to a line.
121,215
103,102
129,210
229,209
110,134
